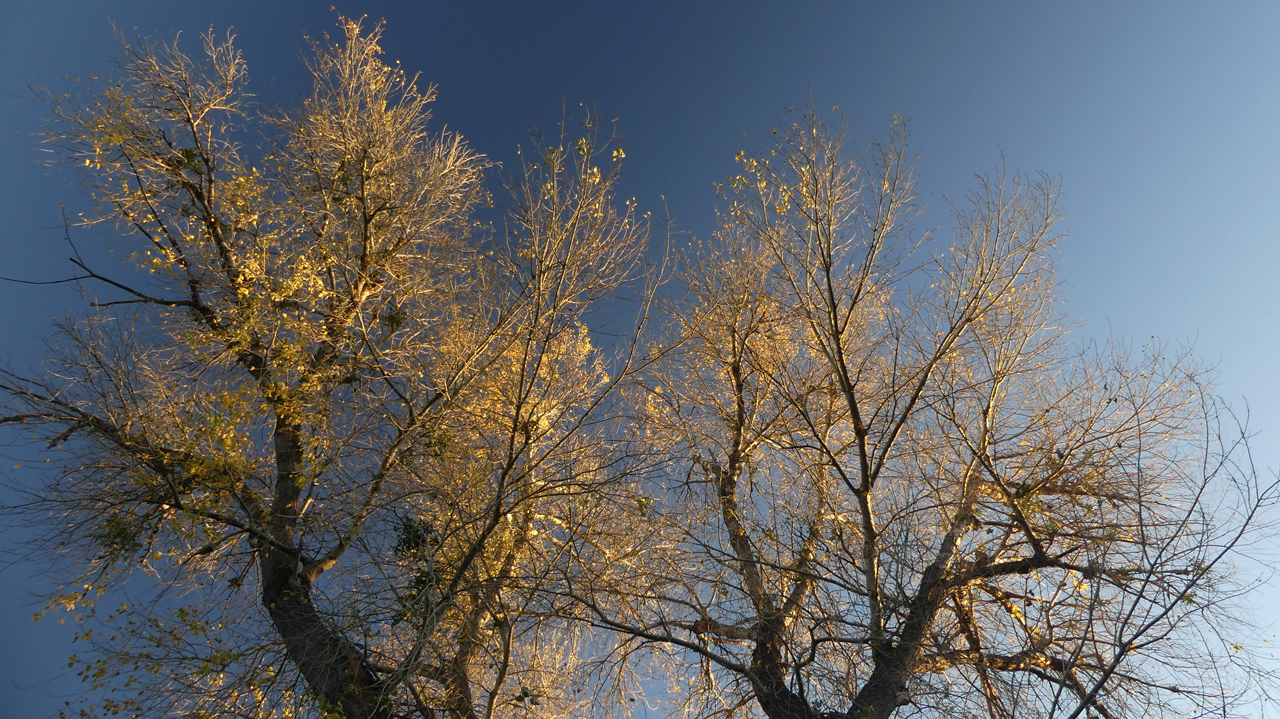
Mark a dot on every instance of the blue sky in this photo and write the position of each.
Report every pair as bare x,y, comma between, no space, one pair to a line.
1160,117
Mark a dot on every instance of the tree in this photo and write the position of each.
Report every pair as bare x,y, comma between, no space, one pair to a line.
366,444
894,488
326,389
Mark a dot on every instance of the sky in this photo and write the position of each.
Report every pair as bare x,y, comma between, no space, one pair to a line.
1160,118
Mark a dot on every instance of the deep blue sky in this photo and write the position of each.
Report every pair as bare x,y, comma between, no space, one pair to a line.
1161,118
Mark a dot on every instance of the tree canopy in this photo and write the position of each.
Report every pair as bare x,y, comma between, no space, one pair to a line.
385,439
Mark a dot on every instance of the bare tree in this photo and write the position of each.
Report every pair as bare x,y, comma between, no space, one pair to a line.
892,486
325,389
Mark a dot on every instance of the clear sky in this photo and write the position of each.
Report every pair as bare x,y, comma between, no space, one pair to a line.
1161,118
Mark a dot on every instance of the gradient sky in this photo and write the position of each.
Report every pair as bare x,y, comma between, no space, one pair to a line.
1161,118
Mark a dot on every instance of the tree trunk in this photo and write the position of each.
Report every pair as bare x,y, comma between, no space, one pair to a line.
332,665
769,676
884,691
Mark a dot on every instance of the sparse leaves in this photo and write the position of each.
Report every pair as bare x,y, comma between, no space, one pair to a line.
323,409
379,456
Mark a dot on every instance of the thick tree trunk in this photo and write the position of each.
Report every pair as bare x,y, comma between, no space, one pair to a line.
332,665
769,676
886,688
884,691
772,693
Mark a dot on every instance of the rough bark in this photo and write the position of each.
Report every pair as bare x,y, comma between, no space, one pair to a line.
333,666
769,677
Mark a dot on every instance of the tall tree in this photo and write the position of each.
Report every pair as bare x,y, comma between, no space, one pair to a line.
326,389
375,463
894,488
